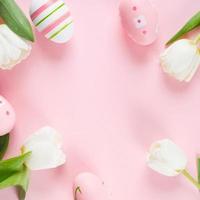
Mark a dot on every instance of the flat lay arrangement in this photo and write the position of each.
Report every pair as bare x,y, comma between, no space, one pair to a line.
83,97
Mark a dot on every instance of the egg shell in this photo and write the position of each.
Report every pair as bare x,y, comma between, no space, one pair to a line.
88,186
53,19
7,116
140,20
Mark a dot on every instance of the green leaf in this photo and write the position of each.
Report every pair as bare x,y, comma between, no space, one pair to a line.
4,140
19,179
198,169
15,19
13,172
12,166
193,23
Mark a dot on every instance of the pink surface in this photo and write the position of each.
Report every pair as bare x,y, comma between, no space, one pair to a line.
110,100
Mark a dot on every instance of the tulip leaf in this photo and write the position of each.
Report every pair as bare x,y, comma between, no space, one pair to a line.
4,140
20,179
11,166
193,23
15,19
198,169
13,172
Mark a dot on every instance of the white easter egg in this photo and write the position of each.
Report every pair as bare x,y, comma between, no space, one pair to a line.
53,19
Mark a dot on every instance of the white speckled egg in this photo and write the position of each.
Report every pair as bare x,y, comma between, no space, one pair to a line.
53,19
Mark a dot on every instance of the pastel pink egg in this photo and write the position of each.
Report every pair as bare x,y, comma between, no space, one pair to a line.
88,186
7,116
140,20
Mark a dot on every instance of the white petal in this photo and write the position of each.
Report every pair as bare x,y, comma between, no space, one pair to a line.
180,60
44,156
14,48
173,155
47,134
45,146
195,64
2,55
5,57
190,71
161,167
166,158
12,52
13,38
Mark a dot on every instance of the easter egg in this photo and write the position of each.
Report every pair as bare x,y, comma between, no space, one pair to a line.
140,20
53,19
7,116
88,186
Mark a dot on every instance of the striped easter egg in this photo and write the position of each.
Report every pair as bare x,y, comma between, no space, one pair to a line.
53,19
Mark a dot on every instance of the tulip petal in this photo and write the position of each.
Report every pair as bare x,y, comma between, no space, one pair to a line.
173,155
12,52
13,38
44,156
181,60
45,146
5,58
166,158
194,69
13,49
161,168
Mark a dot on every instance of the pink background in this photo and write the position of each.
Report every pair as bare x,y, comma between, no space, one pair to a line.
110,100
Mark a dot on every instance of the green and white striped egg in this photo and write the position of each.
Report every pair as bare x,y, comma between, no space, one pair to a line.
53,19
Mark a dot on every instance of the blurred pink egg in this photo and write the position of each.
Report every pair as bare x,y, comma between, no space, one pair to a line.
88,186
7,116
140,20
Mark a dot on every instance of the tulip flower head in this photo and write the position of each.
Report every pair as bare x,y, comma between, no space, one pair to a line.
182,59
13,48
45,147
166,158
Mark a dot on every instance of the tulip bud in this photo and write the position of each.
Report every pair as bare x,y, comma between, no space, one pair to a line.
181,59
45,148
166,158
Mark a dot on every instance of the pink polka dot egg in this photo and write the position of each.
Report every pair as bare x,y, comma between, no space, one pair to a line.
140,20
7,116
53,19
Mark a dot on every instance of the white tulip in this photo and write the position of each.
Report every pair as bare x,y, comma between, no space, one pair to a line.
45,146
181,59
166,158
13,49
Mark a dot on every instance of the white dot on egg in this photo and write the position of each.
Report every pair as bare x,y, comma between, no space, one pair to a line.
140,21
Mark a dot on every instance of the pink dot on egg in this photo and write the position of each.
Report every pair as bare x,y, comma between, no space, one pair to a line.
134,8
7,112
144,32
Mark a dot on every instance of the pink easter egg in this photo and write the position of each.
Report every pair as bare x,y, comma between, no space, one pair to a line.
53,19
88,186
140,20
7,116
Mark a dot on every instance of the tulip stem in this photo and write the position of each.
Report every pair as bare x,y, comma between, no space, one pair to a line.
78,189
197,39
191,178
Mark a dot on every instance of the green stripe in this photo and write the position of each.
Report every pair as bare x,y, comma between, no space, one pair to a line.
60,30
50,14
